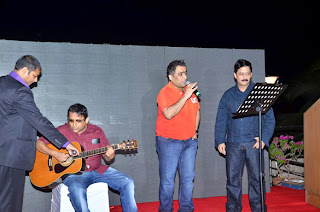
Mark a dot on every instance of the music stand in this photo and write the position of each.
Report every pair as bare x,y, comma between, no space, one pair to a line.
258,102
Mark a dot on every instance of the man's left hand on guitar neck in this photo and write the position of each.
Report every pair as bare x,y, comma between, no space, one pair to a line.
110,154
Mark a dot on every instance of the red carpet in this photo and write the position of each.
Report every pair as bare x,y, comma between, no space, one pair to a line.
280,199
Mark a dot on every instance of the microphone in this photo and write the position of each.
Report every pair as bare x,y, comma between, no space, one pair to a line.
196,92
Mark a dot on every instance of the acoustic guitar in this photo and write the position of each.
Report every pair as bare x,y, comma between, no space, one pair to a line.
48,172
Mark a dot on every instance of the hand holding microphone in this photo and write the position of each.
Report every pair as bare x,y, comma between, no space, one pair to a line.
196,92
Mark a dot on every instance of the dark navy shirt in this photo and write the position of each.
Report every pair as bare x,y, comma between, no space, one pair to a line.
228,129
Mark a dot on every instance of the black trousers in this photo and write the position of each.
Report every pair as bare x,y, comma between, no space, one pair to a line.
11,189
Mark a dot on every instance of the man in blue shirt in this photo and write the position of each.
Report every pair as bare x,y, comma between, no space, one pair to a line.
238,139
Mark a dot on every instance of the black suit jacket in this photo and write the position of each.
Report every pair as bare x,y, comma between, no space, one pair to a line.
20,119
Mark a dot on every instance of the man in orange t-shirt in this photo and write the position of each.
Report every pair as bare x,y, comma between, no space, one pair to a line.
177,137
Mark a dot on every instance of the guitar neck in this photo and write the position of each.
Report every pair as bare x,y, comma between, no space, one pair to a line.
98,151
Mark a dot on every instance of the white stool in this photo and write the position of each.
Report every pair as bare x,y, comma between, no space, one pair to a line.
97,194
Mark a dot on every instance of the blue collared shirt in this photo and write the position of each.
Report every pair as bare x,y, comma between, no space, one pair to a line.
228,129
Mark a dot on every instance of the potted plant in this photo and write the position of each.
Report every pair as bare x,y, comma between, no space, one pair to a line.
283,149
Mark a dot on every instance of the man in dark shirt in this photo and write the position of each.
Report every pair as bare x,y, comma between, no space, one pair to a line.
90,137
20,119
238,139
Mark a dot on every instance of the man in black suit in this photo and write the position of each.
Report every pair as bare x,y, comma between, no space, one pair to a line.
20,119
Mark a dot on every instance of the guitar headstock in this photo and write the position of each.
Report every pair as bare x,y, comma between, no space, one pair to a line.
128,145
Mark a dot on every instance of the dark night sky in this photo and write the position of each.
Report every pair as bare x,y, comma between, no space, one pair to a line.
287,32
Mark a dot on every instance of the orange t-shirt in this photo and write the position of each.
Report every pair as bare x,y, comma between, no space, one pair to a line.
183,125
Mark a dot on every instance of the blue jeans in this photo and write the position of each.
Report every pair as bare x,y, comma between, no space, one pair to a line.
237,155
173,155
78,184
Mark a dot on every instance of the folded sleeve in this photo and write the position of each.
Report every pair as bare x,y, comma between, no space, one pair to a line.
220,131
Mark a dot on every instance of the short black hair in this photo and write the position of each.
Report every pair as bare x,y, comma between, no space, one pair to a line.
171,69
28,61
241,63
79,109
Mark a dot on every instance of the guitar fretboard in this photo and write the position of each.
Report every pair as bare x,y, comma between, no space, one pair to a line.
98,151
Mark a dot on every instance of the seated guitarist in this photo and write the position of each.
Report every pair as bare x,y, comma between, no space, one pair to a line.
90,137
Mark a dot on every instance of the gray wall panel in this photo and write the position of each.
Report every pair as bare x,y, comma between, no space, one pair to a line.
119,85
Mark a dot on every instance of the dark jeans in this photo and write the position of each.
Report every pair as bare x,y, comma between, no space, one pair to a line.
237,155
